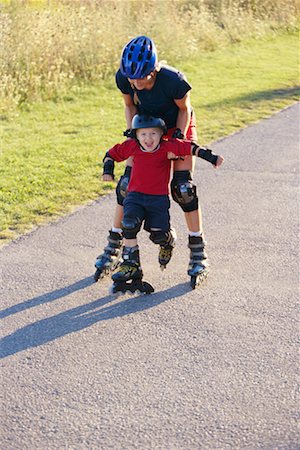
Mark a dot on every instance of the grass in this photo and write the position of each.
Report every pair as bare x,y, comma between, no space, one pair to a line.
51,155
244,83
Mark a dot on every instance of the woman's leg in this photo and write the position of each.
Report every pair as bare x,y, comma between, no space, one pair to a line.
184,192
109,259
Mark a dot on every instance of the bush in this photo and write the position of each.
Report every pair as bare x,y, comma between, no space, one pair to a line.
49,48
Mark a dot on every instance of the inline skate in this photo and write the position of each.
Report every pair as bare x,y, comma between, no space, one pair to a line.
129,277
198,265
110,258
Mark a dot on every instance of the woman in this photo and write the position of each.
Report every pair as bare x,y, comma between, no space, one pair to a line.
161,91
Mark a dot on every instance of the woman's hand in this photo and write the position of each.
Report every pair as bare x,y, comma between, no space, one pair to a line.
106,177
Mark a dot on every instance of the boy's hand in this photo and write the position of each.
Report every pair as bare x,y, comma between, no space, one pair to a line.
171,155
106,177
220,161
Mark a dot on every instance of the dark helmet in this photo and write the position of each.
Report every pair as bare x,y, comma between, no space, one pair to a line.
144,121
139,58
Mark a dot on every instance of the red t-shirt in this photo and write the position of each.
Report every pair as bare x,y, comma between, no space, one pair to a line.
151,171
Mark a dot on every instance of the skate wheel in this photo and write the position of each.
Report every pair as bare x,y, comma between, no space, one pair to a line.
162,267
114,290
147,288
111,290
194,282
197,279
98,274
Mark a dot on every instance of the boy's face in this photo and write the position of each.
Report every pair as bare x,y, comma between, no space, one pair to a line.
149,138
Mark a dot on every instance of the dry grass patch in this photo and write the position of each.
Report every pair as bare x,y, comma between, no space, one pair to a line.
48,47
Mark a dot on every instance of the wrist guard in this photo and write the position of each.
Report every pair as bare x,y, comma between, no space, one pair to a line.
178,134
204,153
108,165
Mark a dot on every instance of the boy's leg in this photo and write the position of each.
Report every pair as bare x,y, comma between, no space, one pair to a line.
166,247
158,224
130,268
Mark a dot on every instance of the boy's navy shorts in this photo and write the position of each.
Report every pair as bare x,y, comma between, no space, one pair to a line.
153,209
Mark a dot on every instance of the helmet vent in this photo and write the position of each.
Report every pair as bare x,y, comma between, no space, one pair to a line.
139,58
145,67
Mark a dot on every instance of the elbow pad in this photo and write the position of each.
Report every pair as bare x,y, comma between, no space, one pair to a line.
108,165
204,153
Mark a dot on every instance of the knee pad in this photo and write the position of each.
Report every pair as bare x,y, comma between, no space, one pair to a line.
163,237
121,189
131,226
183,190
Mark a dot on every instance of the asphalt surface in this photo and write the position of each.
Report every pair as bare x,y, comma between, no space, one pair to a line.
213,368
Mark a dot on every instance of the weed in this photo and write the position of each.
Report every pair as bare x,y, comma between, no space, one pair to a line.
48,48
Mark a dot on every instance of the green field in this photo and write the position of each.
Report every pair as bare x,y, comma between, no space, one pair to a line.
51,152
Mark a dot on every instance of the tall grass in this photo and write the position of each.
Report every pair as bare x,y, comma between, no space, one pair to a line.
49,47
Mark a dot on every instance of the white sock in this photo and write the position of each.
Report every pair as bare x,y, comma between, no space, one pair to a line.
195,233
117,230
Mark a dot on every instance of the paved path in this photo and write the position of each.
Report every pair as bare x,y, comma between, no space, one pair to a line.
213,368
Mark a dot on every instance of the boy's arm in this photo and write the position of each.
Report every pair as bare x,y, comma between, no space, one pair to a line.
108,168
118,153
207,154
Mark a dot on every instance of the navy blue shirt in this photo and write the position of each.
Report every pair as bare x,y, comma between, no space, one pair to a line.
159,101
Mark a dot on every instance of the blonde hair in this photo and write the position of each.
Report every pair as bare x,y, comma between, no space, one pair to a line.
160,64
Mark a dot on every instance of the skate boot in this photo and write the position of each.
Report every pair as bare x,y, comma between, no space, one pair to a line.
130,274
165,255
166,249
130,268
110,258
198,265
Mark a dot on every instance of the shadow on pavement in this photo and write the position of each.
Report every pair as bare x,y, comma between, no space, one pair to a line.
271,94
46,298
81,317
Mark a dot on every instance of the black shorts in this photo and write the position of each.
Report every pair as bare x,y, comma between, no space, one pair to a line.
153,209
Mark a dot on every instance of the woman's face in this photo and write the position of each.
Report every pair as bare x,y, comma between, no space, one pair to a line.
149,138
143,83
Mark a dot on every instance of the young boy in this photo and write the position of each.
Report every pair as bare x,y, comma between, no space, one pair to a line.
147,198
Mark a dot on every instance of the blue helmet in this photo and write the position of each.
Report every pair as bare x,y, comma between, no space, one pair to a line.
139,58
146,121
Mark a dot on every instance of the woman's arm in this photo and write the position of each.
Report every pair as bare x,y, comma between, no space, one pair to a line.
130,109
184,113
